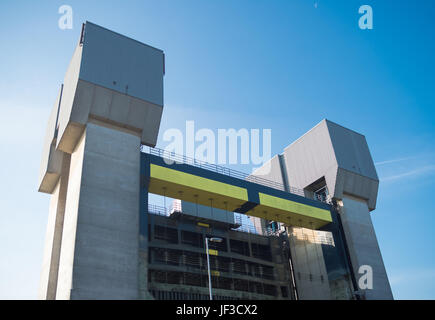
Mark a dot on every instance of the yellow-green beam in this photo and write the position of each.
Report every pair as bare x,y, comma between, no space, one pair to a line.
194,188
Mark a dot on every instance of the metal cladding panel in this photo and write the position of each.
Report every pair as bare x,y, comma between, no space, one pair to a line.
119,63
311,157
339,155
271,170
115,78
351,151
356,174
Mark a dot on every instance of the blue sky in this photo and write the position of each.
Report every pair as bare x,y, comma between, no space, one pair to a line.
283,65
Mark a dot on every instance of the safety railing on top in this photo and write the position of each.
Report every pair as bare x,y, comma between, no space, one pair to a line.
181,159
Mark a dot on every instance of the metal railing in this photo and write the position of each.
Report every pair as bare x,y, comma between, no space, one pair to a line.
158,210
162,211
244,227
181,159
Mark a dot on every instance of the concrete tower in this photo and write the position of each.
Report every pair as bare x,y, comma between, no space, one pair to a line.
334,164
110,102
104,241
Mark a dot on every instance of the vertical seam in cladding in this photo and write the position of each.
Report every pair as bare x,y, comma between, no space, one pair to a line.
283,172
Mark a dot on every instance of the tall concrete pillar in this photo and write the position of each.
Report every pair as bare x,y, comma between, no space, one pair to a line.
332,158
334,163
363,247
53,241
110,103
309,264
100,238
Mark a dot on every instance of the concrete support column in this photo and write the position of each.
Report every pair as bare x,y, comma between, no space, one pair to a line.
53,241
110,103
99,257
363,245
308,260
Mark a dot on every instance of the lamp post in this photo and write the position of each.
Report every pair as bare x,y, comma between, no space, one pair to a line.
213,239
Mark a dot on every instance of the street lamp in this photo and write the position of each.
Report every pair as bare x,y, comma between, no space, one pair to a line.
207,239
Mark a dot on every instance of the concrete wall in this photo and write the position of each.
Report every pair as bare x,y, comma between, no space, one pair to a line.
53,241
43,292
342,158
66,262
51,160
99,258
308,261
111,102
68,136
363,245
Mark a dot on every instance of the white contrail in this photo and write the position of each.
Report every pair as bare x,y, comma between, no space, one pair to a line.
380,163
410,173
